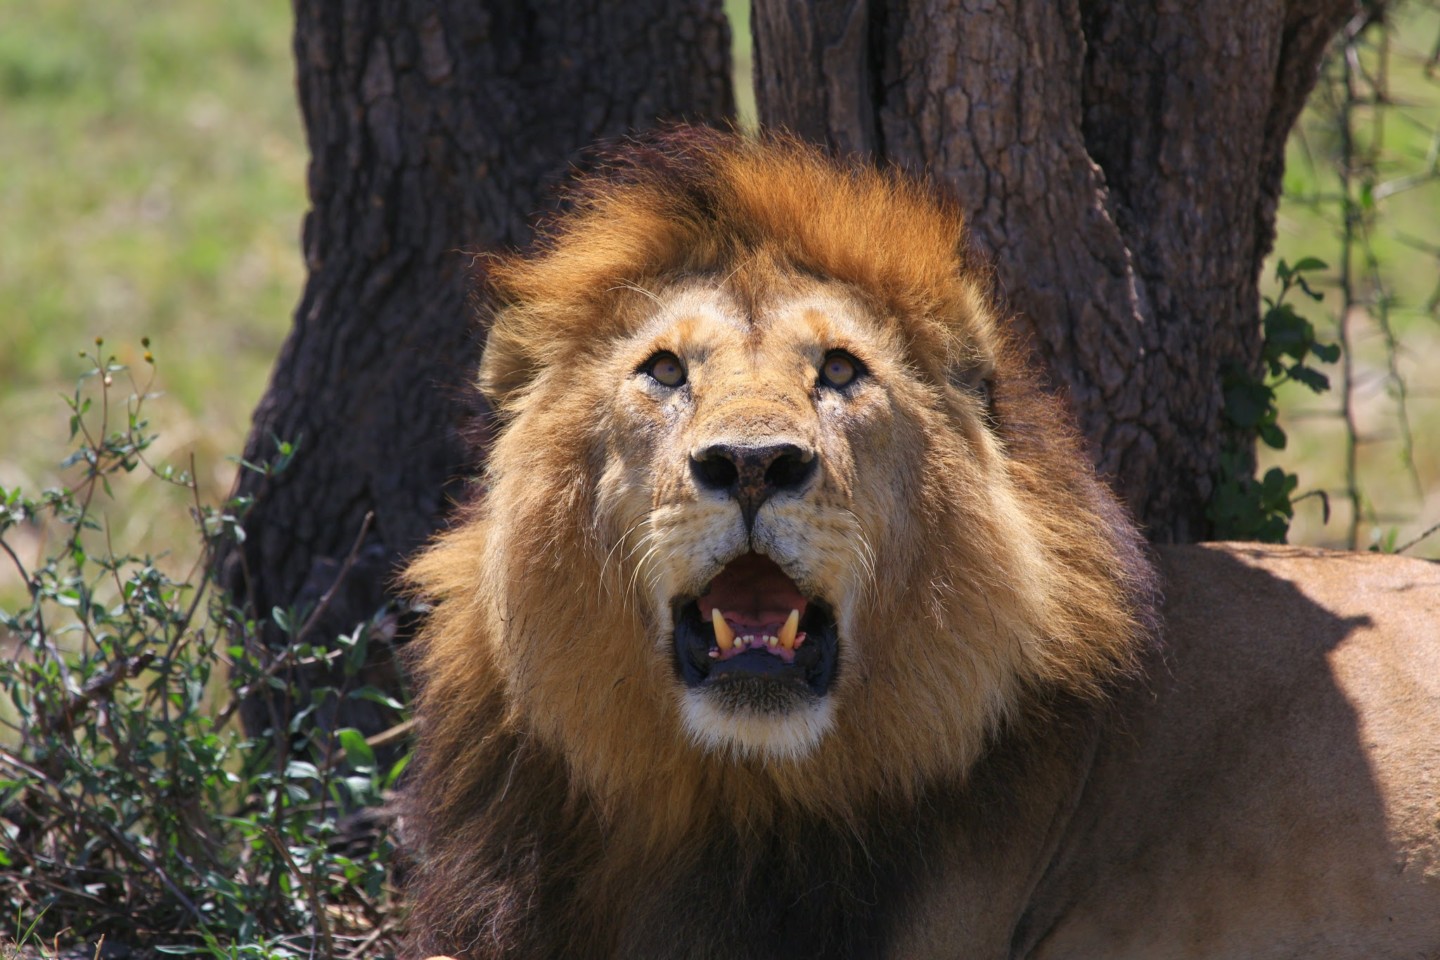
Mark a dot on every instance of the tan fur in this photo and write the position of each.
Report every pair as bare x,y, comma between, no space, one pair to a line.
987,587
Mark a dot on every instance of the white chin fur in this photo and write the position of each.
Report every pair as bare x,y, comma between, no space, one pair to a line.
785,737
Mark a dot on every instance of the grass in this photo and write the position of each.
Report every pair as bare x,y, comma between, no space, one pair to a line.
152,178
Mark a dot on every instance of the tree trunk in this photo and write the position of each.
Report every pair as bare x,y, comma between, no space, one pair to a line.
1120,161
434,127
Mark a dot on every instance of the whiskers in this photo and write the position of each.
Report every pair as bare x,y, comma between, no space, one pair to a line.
636,288
652,546
648,547
864,553
627,593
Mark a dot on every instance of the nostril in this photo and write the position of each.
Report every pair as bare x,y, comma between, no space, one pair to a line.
714,469
790,469
761,471
751,475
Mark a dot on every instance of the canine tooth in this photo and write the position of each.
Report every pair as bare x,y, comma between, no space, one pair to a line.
724,636
787,632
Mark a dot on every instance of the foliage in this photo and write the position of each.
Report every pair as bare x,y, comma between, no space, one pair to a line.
1363,167
1242,507
130,802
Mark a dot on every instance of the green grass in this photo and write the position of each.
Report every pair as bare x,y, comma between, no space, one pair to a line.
742,62
152,182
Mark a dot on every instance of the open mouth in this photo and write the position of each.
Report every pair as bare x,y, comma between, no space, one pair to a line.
753,633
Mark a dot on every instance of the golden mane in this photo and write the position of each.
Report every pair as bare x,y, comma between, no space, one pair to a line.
550,763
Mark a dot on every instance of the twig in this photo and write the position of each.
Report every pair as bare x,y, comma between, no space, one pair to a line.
345,568
126,848
286,656
393,735
1350,216
317,906
1429,532
95,688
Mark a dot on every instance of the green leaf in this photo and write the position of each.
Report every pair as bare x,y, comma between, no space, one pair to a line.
1272,436
1311,377
1286,333
1247,403
374,695
397,769
357,751
302,770
1278,484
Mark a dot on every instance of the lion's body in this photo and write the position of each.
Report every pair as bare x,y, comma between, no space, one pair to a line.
1272,790
737,381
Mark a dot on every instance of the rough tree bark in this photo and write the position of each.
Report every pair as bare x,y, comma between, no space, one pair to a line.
435,126
1120,161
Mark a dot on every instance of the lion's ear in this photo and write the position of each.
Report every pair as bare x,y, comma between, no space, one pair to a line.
975,378
506,367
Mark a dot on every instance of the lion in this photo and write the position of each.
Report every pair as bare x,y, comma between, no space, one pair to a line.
791,620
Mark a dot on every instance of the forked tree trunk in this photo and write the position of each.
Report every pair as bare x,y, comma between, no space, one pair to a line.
1120,161
435,127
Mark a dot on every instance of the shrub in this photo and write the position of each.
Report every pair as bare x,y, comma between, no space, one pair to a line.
131,803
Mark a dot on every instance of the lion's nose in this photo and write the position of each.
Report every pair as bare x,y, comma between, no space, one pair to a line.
753,474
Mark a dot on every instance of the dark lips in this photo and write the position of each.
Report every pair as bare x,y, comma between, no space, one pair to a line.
756,677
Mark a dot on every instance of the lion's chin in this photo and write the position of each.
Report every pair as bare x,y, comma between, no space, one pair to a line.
717,727
757,658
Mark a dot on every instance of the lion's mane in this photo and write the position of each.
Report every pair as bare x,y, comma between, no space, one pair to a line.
558,806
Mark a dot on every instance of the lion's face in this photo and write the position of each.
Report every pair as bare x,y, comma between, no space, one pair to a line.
774,485
757,453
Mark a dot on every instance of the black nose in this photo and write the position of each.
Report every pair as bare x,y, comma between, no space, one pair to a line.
753,474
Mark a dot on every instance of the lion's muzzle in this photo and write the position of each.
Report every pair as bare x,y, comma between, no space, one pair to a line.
753,643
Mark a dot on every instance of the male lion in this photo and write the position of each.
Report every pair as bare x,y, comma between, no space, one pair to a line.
792,622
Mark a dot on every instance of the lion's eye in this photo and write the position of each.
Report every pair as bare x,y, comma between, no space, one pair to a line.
665,368
839,369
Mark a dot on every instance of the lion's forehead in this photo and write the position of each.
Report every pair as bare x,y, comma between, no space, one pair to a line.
745,320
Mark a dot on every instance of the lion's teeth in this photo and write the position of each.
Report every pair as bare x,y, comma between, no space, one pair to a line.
771,641
724,636
787,632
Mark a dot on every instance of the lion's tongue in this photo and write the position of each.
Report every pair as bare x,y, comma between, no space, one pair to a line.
754,596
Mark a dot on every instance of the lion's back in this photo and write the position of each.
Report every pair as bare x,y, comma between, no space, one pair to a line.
1274,789
1278,796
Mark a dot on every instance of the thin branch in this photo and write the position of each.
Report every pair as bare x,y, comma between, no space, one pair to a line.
1350,216
97,688
121,842
345,568
1429,532
286,657
317,905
